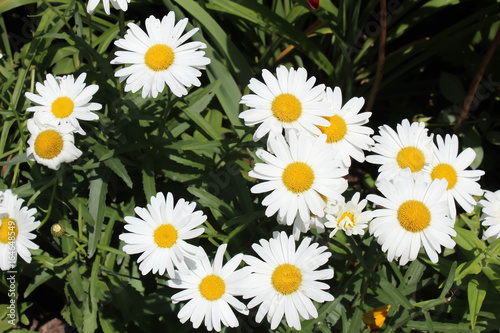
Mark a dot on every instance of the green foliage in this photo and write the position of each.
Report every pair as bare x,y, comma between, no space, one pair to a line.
197,148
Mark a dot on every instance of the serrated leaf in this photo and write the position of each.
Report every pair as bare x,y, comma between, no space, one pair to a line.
394,294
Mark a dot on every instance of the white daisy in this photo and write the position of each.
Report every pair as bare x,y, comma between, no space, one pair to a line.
160,57
315,222
288,101
491,214
63,100
210,290
410,147
448,164
160,233
16,224
349,216
298,174
286,280
346,131
51,145
117,4
415,213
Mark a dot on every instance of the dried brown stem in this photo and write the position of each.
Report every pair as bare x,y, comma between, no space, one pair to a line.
475,83
381,54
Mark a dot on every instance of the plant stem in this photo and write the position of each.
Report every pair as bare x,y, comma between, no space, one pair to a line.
475,83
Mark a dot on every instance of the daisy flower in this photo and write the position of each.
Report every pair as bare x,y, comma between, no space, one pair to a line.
415,213
160,232
16,224
349,216
51,145
491,214
285,281
346,131
159,57
448,164
297,175
410,147
117,4
210,290
63,100
288,101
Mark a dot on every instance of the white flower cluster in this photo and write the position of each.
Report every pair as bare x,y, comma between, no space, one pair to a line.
62,101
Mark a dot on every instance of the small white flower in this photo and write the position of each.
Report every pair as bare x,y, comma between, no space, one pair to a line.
210,290
298,175
349,216
51,145
160,233
415,213
288,101
285,281
160,57
63,101
410,147
346,132
448,164
117,4
491,214
16,224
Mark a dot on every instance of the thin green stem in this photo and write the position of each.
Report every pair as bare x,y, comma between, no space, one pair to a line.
51,203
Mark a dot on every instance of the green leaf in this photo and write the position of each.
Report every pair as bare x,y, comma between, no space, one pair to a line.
11,4
468,241
273,24
394,294
476,292
39,279
493,137
117,166
148,179
97,205
470,267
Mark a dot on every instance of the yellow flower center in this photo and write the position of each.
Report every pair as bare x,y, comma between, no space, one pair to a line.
212,287
414,216
48,144
337,129
286,279
165,235
62,107
298,177
445,170
411,157
8,229
287,108
159,57
348,224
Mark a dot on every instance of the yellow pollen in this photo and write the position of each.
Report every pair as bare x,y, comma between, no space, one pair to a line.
445,170
411,157
8,227
286,279
48,144
414,216
159,57
337,129
350,223
62,107
287,108
212,287
298,177
165,235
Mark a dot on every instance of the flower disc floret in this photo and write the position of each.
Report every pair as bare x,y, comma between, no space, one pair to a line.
165,235
414,216
212,287
411,157
159,57
298,177
8,229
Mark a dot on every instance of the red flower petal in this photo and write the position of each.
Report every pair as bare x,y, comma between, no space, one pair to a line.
314,3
